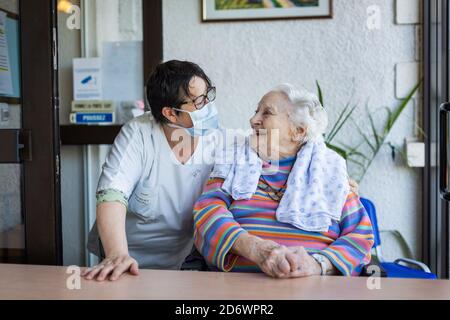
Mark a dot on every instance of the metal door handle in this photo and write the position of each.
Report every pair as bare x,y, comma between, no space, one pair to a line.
15,146
443,151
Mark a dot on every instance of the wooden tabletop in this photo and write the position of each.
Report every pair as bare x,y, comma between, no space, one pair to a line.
40,282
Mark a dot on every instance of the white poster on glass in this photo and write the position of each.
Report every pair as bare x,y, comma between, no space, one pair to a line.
87,79
6,86
122,65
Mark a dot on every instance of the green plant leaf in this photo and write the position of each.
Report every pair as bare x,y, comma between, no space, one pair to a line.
354,151
365,137
362,165
374,130
341,121
375,141
401,240
388,118
320,93
339,150
393,117
336,124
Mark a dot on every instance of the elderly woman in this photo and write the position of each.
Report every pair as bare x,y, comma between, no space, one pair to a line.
284,208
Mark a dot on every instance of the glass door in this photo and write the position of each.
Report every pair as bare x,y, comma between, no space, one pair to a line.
30,229
445,138
12,220
446,220
436,188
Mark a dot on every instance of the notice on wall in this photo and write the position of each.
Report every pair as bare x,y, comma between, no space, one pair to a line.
6,86
87,79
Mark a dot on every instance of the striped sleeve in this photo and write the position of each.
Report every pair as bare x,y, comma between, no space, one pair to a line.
352,249
216,230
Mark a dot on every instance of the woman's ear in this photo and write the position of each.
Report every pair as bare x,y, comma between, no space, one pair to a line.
298,134
170,114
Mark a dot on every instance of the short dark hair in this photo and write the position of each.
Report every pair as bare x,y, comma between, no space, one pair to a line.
167,84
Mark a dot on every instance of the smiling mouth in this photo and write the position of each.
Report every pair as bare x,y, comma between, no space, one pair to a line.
259,132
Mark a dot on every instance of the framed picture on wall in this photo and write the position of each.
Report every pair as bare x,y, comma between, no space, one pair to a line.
234,10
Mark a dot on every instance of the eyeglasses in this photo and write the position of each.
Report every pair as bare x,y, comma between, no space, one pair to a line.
200,101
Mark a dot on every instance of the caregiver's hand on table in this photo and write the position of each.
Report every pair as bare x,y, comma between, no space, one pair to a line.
111,227
112,267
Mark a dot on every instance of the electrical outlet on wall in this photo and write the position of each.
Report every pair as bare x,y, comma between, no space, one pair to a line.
408,11
415,153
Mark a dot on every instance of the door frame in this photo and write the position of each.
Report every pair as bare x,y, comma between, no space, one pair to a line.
40,116
153,35
436,91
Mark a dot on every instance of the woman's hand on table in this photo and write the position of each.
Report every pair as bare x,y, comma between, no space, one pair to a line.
293,262
113,267
274,260
283,262
307,266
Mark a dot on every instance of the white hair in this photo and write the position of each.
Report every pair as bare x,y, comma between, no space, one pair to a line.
307,111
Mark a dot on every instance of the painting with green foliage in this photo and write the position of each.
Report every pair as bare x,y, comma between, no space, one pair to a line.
222,10
263,4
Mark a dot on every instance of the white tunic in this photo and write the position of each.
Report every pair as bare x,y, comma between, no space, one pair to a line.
161,192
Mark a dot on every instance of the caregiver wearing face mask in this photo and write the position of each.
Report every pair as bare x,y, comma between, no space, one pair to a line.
153,175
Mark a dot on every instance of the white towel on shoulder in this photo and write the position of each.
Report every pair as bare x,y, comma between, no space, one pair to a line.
317,187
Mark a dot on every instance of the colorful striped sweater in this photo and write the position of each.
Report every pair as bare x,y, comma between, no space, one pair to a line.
220,220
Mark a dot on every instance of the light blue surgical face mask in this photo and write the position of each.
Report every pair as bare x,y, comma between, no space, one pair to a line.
204,120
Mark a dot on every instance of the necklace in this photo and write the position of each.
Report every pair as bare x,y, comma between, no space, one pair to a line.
274,194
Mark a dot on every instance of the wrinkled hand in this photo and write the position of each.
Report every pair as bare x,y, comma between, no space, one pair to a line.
273,259
306,265
283,262
113,267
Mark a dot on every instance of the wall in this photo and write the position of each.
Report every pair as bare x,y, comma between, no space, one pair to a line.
246,59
